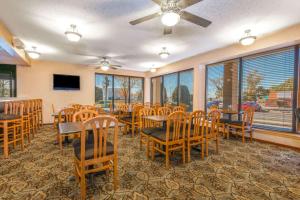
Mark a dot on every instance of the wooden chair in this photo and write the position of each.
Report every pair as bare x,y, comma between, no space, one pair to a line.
178,108
40,112
244,125
212,129
11,122
146,128
156,106
55,117
98,154
65,115
84,115
147,104
171,140
164,111
77,107
26,120
195,134
132,122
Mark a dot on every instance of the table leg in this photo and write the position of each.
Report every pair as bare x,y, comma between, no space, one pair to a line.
5,145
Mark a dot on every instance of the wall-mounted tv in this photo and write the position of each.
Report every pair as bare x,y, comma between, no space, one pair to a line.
66,82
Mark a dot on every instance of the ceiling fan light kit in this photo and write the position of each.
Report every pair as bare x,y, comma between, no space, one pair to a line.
72,34
104,68
248,39
34,54
170,18
164,54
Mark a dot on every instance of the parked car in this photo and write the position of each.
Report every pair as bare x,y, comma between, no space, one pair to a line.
252,104
212,103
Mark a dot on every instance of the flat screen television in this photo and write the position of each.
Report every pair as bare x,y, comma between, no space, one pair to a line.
66,82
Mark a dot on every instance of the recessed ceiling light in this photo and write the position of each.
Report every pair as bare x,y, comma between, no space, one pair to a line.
73,34
164,54
248,39
33,53
170,18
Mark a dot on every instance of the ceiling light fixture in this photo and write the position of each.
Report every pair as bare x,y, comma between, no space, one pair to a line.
164,54
33,53
104,68
73,34
248,39
152,69
170,18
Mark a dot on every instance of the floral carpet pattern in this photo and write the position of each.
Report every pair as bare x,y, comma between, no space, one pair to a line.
240,171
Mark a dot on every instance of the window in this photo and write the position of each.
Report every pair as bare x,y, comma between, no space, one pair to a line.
268,85
186,89
7,81
121,89
118,89
104,90
222,85
136,90
170,89
176,88
263,81
156,86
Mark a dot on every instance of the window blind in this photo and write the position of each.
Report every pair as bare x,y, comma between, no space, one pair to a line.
268,85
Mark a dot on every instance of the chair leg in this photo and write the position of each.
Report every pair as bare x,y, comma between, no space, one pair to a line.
61,144
83,186
141,141
206,141
132,130
251,136
15,136
22,136
217,145
153,150
202,150
147,147
116,175
183,153
189,151
167,157
243,136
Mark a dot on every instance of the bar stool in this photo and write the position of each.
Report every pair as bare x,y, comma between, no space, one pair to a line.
40,112
32,117
26,120
11,122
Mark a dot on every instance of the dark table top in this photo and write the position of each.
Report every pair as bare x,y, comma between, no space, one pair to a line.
75,127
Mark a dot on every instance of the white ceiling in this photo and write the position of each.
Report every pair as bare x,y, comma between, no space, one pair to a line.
106,31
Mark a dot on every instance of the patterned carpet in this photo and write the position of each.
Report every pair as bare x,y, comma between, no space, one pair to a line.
251,171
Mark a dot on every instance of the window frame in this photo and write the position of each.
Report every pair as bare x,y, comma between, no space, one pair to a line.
113,86
178,84
295,103
11,69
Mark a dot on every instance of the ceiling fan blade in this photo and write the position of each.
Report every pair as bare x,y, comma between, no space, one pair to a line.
143,19
157,1
195,19
186,3
115,66
167,30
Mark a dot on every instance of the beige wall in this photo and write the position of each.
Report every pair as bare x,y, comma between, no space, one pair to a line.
37,82
283,38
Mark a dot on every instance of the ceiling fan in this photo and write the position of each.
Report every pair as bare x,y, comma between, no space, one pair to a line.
171,12
104,64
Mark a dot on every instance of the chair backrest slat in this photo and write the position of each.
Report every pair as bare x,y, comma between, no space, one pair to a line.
176,125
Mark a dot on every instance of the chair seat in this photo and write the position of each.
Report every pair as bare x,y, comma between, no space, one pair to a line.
149,131
225,121
236,123
161,135
8,117
89,149
126,119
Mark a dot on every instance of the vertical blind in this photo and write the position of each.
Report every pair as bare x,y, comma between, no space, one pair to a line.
268,85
